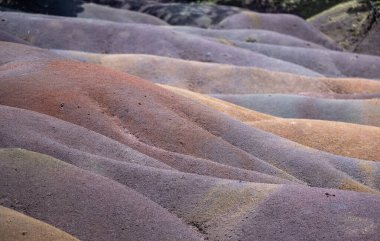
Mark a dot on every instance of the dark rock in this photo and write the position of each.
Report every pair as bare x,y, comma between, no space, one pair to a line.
127,4
200,15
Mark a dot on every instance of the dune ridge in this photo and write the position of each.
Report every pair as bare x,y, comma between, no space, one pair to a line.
212,136
212,78
359,141
116,126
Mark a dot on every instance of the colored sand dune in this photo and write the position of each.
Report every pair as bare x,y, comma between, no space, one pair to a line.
115,125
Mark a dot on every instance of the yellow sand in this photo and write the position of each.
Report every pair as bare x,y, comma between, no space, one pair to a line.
15,226
351,140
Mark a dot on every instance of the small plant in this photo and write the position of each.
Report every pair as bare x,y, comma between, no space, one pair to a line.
374,6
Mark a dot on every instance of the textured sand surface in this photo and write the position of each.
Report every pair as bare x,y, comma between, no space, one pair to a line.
15,226
4,36
371,43
98,36
140,114
359,111
326,62
211,205
248,36
80,202
357,141
110,129
90,150
95,11
282,23
211,78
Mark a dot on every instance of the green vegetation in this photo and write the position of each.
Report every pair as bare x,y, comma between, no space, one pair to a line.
373,5
303,8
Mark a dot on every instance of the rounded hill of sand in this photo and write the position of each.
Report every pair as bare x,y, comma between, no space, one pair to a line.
80,202
357,111
215,207
282,23
99,36
212,78
166,126
110,129
357,141
15,226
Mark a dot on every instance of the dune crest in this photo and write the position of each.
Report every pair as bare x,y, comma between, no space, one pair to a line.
117,126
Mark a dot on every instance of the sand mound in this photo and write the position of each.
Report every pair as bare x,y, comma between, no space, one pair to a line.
357,141
15,226
95,11
210,205
4,36
354,96
127,108
131,106
209,78
371,43
94,152
91,149
326,62
109,37
282,23
217,208
228,36
80,203
235,111
365,112
339,138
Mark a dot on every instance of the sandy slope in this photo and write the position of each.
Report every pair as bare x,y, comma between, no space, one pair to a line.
211,78
327,62
359,111
103,154
95,11
141,115
218,209
282,23
110,37
95,152
80,202
120,158
4,36
358,141
247,36
15,226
